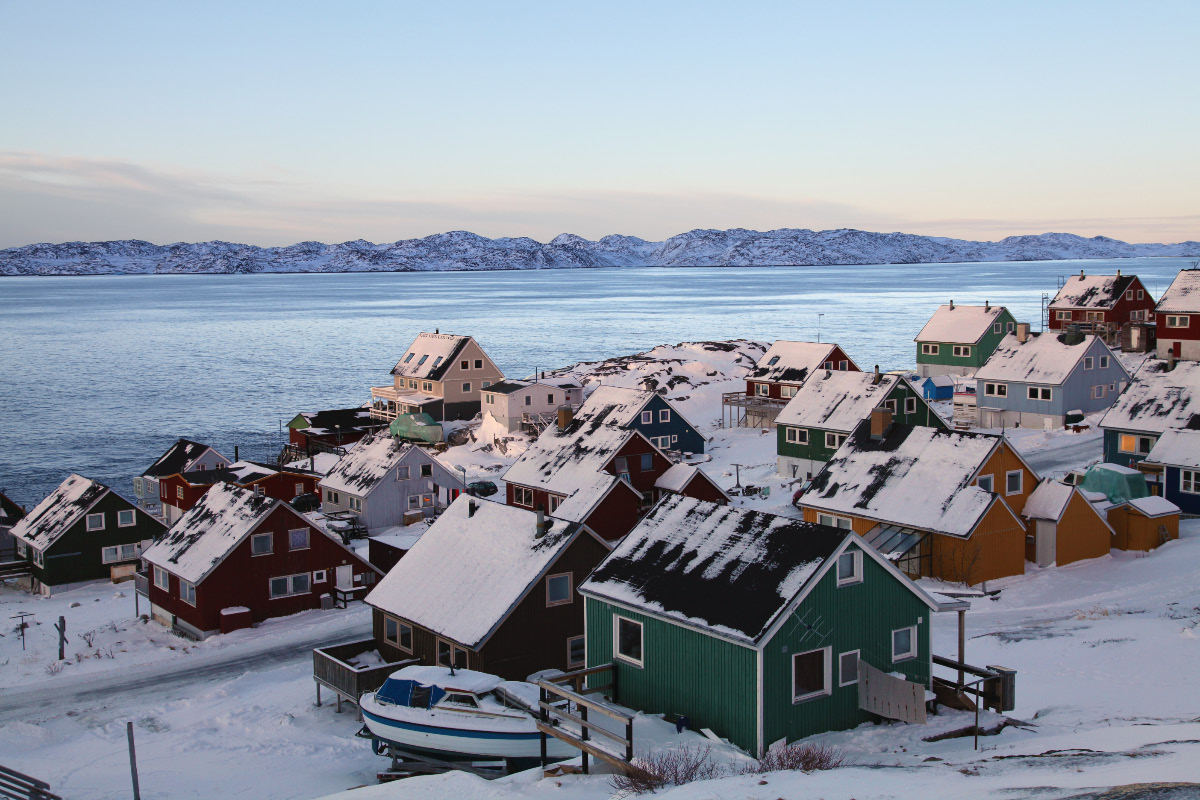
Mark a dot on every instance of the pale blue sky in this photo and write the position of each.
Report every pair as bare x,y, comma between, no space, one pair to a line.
277,122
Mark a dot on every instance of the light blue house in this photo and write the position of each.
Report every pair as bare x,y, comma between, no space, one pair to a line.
1046,380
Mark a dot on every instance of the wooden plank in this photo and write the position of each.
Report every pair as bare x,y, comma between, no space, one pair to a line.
586,747
584,723
579,699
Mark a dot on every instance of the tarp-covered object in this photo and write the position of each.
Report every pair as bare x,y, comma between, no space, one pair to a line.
417,428
1119,484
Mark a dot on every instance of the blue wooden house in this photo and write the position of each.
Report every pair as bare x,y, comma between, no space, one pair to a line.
650,414
938,387
1046,380
1178,453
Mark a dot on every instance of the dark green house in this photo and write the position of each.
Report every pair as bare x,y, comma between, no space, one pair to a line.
830,405
958,340
83,531
752,625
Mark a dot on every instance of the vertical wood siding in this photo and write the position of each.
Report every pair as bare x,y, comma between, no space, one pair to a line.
1081,533
76,556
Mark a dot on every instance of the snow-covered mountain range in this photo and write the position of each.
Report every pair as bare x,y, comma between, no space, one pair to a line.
461,250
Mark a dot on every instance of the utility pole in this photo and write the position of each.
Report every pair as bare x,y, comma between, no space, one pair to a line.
738,471
22,624
61,627
137,794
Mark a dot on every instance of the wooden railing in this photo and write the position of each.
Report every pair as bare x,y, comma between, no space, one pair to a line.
18,786
555,716
331,669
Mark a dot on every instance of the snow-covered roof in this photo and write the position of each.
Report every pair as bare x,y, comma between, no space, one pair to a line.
460,680
1183,295
1153,506
1156,400
1048,501
1045,358
940,380
209,531
790,362
340,420
677,477
914,476
1177,448
507,386
959,324
10,512
372,459
430,355
317,463
58,511
837,401
239,472
465,574
1092,291
179,458
727,570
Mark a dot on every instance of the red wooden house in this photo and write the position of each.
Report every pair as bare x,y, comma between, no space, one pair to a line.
238,557
1101,302
777,377
179,492
338,427
1178,320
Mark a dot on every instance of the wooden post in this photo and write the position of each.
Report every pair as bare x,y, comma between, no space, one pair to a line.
318,693
61,627
545,716
962,644
629,740
137,794
584,736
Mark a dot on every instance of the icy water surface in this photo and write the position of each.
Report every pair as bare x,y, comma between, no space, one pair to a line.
101,374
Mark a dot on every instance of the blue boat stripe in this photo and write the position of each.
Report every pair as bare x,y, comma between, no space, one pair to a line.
413,726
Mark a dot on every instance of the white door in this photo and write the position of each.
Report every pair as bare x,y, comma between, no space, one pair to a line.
1046,543
345,577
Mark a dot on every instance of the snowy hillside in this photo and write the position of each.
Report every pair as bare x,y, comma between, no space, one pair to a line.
462,250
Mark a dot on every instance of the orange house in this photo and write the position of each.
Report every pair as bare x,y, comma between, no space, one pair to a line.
1063,526
1144,523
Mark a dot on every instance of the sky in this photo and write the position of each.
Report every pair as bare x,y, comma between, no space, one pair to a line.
276,122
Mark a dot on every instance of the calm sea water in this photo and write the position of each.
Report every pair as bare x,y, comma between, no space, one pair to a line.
101,374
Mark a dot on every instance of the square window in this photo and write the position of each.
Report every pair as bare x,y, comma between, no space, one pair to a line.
1013,482
1087,362
843,365
834,440
320,576
95,522
647,417
298,539
108,555
761,389
466,388
279,587
810,675
402,473
629,641
464,365
427,470
664,415
558,589
787,390
447,651
522,496
890,405
848,668
647,460
161,579
130,551
985,482
904,644
126,518
576,651
849,568
260,544
996,327
479,363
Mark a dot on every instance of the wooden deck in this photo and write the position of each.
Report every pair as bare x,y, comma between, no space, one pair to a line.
331,669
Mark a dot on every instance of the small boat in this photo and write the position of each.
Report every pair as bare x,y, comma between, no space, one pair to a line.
458,714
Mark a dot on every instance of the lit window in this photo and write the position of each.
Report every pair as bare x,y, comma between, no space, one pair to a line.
810,675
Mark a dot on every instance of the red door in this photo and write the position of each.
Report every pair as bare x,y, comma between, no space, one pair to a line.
1178,348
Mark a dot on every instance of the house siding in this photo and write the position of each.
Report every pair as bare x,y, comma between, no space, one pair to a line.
995,549
1081,533
774,388
1181,342
689,439
1188,502
1118,313
1112,447
946,363
387,502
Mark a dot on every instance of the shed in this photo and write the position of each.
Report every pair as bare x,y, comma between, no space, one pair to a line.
938,387
1063,526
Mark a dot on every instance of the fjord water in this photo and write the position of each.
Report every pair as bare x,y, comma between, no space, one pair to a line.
101,374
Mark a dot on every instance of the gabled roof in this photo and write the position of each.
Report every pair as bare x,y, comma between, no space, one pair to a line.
430,355
241,473
369,462
1177,448
625,404
725,570
960,324
1048,501
58,511
836,401
1092,291
1183,295
939,380
10,512
468,571
178,458
678,476
1045,358
507,386
791,362
344,420
1156,400
914,476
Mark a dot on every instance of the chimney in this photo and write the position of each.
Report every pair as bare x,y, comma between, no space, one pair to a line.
881,423
877,378
828,374
312,463
951,305
436,331
235,453
542,526
1118,273
987,305
1081,274
471,507
1022,332
565,415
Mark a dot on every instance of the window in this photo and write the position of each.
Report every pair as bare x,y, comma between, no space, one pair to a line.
647,462
834,440
437,361
39,558
290,585
427,501
849,567
109,555
558,589
996,327
1088,362
409,357
187,592
522,496
398,633
904,644
1103,362
1099,391
1129,294
466,387
1137,316
1040,393
22,549
1140,294
550,398
1012,326
1141,445
761,389
319,576
424,358
125,519
774,360
260,544
426,386
298,539
929,349
1013,481
297,489
828,365
662,442
962,350
985,482
427,470
1062,314
528,399
621,465
995,389
402,473
664,415
647,417
412,384
447,651
479,363
555,502
1189,481
843,365
161,579
797,435
95,522
629,641
486,384
490,399
910,405
848,668
787,391
464,365
890,405
810,675
834,522
355,503
576,651
1095,316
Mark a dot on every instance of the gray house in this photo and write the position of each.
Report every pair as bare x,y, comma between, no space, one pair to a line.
384,481
1042,379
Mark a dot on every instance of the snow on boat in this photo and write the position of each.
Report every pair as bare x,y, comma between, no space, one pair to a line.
457,714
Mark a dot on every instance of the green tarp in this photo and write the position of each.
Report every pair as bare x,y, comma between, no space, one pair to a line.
1119,484
417,428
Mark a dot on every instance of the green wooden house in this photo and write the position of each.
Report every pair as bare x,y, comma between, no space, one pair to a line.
830,405
958,340
83,531
750,624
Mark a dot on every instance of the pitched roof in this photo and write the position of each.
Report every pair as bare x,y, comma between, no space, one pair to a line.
1177,448
1048,501
838,401
507,386
58,511
178,458
790,361
914,476
368,462
1092,291
209,531
342,420
727,570
430,355
1156,400
10,512
1047,358
1183,295
467,571
241,473
959,324
1154,506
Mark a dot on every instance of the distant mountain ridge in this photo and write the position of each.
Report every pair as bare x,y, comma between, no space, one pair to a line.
462,250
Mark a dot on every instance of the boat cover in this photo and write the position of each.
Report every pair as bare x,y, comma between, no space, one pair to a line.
409,694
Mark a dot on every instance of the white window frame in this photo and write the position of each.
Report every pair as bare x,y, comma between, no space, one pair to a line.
1103,362
307,539
320,576
22,549
291,585
1042,394
403,472
178,492
554,501
795,435
834,521
522,496
997,327
1020,482
132,518
787,390
647,417
1189,481
856,562
991,482
664,415
910,405
259,537
466,387
1088,362
1140,294
39,557
915,646
1129,294
842,668
1099,391
162,579
617,620
187,589
95,522
834,440
454,650
995,389
761,390
570,578
299,490
962,350
1062,315
105,558
827,689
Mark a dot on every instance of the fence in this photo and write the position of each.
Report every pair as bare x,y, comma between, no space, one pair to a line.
555,716
17,786
331,669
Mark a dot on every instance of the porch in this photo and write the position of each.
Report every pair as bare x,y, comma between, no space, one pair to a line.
741,410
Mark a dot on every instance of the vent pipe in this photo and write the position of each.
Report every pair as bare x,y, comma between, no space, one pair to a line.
987,305
471,507
565,415
877,378
951,305
1081,274
1118,273
542,524
235,453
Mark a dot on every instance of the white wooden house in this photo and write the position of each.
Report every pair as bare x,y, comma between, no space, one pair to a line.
440,375
529,405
